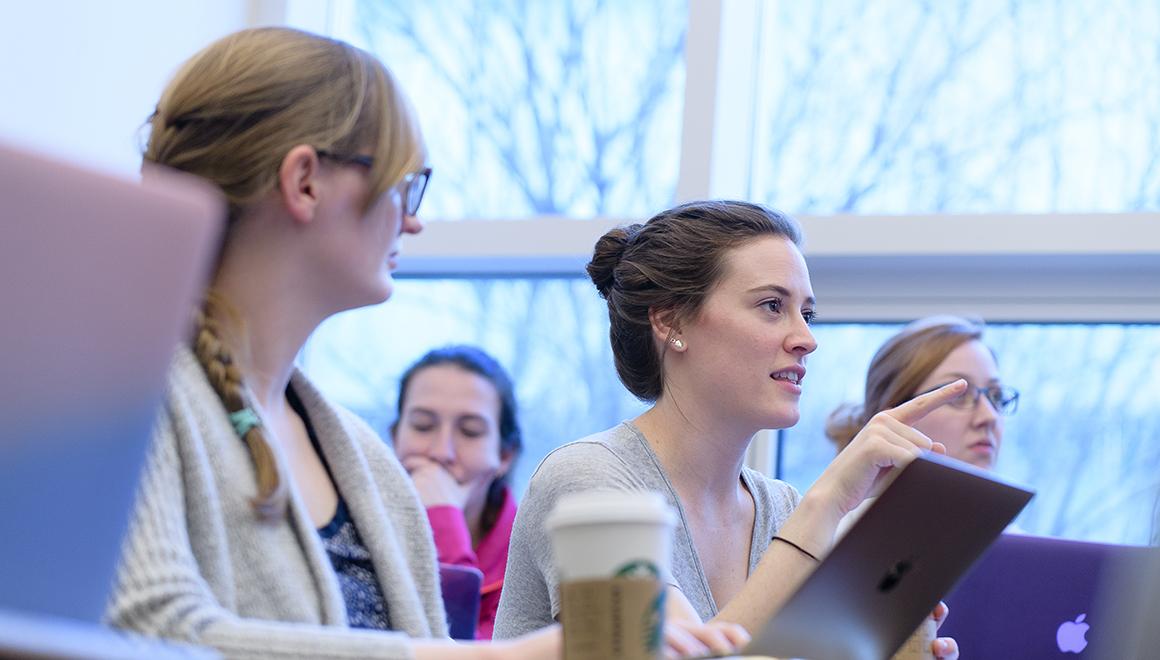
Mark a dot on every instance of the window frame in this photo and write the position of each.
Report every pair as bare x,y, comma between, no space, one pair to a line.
1082,268
1002,267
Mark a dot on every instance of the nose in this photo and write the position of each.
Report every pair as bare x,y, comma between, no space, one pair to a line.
801,339
985,412
411,224
442,448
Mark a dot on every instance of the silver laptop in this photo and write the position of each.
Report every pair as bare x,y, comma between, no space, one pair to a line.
97,279
889,571
1128,609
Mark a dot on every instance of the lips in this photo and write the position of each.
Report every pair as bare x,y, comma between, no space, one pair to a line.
793,375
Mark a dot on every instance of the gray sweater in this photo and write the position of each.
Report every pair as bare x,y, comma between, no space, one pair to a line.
618,459
198,566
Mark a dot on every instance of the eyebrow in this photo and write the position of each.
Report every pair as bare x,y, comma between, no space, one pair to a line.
469,417
781,290
993,381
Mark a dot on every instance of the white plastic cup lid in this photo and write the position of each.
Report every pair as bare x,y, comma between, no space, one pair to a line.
609,506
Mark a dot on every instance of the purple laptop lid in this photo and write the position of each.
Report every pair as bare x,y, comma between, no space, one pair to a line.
1031,597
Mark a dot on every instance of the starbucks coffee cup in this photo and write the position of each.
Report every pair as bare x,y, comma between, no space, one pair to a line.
606,534
613,554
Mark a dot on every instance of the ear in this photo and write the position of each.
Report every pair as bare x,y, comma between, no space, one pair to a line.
665,329
506,458
298,182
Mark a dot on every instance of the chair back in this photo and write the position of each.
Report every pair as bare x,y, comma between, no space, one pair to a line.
461,593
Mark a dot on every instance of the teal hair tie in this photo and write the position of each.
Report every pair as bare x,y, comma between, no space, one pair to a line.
244,420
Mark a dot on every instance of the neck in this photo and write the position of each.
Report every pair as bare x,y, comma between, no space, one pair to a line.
473,514
270,328
702,455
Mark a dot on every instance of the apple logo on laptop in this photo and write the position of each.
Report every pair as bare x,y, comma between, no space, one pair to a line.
894,575
1070,636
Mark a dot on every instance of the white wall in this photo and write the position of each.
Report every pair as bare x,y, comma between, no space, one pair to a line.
79,78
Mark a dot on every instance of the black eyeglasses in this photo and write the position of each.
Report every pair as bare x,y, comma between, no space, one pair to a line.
412,187
1005,400
350,159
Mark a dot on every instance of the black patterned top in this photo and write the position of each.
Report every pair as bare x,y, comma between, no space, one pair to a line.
366,607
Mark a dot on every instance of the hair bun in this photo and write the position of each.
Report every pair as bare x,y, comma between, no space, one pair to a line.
607,255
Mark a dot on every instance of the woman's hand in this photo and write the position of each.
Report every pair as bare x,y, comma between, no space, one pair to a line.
888,441
685,639
545,644
436,486
682,639
943,647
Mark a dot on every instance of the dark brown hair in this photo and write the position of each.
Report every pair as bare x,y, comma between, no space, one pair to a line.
669,265
899,368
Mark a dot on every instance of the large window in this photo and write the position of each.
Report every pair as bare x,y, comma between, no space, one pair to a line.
843,113
572,108
960,106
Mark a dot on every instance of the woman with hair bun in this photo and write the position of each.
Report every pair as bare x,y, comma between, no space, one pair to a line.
709,305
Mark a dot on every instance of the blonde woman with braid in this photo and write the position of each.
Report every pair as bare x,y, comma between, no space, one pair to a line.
270,522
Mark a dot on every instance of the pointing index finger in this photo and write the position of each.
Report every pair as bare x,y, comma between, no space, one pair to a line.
921,405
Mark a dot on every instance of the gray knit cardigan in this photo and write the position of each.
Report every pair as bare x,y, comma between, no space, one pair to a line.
198,566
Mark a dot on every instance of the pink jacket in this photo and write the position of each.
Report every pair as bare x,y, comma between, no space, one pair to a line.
453,544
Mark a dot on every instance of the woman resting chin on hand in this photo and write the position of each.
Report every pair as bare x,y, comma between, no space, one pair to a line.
458,436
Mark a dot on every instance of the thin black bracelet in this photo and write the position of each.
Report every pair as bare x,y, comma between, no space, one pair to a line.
796,546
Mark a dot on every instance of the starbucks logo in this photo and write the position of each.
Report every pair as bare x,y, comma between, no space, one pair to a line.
641,568
652,622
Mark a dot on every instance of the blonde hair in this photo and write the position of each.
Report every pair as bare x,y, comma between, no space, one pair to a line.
899,368
231,114
235,109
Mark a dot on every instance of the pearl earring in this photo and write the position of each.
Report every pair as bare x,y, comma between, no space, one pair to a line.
677,343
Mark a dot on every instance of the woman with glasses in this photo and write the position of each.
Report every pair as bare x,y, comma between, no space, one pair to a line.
924,355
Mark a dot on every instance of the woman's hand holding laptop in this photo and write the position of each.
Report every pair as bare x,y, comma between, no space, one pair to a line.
863,469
